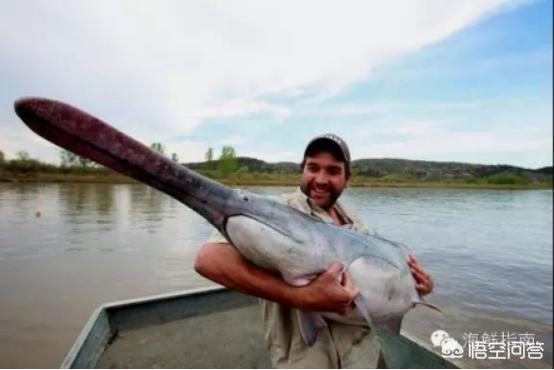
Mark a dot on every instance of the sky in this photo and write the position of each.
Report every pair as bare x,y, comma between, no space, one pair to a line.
464,81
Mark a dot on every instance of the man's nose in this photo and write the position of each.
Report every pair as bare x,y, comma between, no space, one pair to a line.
321,177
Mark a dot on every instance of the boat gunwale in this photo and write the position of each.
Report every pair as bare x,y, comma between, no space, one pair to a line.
105,322
85,333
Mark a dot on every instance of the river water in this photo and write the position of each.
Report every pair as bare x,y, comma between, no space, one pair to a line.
67,248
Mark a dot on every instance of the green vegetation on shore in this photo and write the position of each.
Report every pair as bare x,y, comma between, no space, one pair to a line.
242,171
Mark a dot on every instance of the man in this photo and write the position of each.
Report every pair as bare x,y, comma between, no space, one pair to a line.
325,174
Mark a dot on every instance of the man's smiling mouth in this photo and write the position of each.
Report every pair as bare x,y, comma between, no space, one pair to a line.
321,190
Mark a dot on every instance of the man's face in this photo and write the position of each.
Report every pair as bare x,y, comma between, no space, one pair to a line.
323,179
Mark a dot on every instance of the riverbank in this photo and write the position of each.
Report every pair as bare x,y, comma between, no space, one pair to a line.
261,179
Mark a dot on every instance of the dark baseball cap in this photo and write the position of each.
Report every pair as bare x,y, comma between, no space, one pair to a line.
328,142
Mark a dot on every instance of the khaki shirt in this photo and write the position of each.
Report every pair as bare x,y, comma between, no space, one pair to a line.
337,346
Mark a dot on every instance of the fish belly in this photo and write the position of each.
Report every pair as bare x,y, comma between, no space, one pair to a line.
387,290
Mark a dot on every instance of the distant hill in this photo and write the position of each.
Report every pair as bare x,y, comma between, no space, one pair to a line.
437,171
397,169
252,164
545,170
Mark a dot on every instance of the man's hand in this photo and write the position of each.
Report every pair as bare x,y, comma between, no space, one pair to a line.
328,292
424,282
222,263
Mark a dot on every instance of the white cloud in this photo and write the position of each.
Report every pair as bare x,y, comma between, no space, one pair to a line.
433,141
183,62
231,140
187,150
241,107
272,156
190,52
12,141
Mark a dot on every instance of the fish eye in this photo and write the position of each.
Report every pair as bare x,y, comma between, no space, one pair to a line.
243,195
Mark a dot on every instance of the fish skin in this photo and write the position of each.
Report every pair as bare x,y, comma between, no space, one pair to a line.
269,234
378,267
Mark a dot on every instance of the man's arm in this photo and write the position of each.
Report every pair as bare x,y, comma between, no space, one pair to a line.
223,264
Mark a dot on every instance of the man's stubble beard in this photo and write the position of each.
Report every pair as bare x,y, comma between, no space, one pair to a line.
334,194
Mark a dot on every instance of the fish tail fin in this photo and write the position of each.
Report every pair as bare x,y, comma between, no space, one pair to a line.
420,301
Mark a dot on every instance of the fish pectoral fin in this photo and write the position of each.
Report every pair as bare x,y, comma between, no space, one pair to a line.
361,305
309,324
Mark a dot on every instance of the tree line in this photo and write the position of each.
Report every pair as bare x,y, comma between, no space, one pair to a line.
226,163
381,170
24,163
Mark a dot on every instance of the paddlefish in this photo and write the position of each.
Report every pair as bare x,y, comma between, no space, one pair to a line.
269,234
